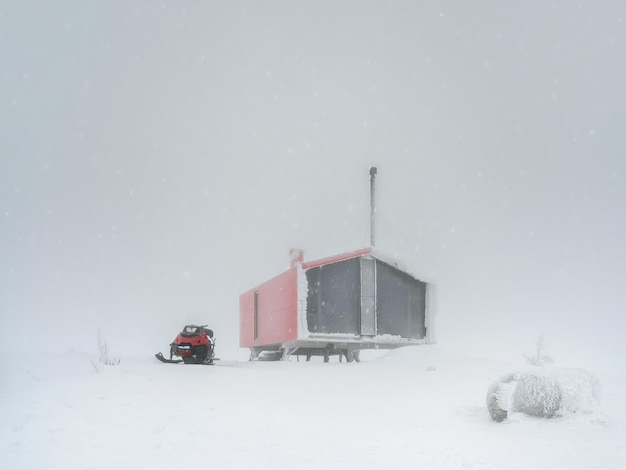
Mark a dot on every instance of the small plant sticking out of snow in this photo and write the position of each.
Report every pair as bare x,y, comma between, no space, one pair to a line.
540,359
104,352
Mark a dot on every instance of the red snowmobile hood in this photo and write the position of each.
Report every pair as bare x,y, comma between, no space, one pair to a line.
198,340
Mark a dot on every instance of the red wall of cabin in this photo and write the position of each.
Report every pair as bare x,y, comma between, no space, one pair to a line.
277,318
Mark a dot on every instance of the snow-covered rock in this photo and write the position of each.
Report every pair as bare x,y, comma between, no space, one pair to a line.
543,392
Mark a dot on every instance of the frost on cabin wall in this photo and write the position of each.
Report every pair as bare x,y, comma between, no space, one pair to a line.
302,288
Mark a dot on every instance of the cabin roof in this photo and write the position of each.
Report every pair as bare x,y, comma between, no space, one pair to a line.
336,258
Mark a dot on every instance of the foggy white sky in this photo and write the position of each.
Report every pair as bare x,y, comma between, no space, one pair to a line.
160,158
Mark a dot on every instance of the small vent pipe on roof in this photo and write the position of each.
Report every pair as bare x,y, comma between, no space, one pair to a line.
373,172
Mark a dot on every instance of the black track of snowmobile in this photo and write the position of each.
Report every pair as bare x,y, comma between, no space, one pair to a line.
197,360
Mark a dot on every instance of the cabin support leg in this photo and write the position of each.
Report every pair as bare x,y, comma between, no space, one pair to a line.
254,353
287,352
348,354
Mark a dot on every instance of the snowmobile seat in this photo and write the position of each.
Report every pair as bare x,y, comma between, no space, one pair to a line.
189,331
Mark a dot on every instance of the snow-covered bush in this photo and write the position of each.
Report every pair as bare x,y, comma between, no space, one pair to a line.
543,392
536,394
580,391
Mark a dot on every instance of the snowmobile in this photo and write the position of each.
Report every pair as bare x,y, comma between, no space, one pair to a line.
194,345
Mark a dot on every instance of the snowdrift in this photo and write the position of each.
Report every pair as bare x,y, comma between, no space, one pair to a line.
416,407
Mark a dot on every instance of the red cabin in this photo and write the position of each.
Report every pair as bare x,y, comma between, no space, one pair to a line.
335,306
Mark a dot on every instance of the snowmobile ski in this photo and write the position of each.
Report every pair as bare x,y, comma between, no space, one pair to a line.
161,358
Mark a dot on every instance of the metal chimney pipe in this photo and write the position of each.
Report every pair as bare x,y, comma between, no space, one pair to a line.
373,172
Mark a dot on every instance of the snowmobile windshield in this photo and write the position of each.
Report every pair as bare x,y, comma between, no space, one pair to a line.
191,330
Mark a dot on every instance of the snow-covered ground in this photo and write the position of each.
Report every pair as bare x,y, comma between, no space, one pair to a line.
419,407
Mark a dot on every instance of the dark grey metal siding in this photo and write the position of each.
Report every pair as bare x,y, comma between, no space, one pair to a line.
334,298
368,296
364,296
400,303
